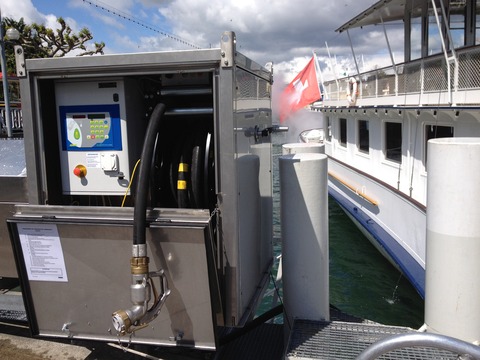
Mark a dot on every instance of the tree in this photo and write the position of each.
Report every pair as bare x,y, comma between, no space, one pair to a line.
39,41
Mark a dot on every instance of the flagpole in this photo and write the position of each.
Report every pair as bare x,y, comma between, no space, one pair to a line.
317,67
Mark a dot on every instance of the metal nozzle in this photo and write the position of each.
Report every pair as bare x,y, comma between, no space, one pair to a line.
139,315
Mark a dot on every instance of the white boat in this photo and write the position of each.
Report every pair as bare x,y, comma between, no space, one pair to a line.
377,123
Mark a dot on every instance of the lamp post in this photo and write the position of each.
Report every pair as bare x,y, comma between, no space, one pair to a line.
13,34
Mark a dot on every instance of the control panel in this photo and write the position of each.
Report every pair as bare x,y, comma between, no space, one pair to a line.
89,127
93,142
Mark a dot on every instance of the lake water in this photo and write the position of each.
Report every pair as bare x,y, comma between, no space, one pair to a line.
362,282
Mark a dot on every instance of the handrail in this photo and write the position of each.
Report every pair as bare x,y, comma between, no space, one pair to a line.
352,188
417,80
437,341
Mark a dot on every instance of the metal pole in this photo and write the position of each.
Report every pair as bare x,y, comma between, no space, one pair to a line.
356,63
448,59
334,68
8,114
391,53
353,52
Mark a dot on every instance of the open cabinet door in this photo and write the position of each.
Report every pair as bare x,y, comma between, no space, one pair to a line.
75,272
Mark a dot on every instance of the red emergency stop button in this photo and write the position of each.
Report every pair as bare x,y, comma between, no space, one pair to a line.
80,171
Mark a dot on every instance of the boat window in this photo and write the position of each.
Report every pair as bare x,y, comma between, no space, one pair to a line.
343,132
477,22
328,133
457,13
393,141
434,37
416,14
415,38
435,132
363,136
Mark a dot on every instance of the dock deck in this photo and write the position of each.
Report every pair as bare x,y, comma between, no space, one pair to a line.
344,337
338,340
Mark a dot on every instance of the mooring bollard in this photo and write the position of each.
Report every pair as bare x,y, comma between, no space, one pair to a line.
304,223
452,290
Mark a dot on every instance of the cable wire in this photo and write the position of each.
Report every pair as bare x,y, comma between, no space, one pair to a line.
127,17
130,183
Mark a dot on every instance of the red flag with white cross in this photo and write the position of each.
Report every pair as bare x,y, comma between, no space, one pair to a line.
303,90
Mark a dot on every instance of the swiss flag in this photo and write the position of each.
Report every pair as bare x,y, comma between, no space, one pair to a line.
303,90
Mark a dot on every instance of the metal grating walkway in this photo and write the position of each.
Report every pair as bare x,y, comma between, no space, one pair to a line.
11,307
339,340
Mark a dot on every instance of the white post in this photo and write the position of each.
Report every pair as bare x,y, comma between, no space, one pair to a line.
452,291
304,222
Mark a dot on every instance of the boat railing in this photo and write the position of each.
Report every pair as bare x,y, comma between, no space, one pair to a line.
416,83
16,119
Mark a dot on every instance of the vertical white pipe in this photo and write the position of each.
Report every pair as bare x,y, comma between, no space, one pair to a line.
304,222
301,148
452,289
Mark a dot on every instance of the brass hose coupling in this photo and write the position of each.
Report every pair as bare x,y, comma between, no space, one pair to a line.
139,265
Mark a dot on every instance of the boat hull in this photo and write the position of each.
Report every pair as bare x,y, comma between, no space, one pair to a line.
395,236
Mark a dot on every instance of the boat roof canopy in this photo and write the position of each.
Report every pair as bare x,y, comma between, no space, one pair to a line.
384,10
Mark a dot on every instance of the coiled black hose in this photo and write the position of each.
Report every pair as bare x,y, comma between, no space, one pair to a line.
140,203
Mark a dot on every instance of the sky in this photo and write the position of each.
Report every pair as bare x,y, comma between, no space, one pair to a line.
282,32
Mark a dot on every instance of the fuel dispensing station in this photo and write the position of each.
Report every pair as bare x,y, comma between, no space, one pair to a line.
149,215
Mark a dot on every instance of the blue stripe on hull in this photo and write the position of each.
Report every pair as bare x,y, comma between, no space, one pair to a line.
412,270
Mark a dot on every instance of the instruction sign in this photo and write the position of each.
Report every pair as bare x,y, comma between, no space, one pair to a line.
42,252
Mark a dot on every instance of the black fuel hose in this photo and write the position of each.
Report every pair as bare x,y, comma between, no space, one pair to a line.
140,203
